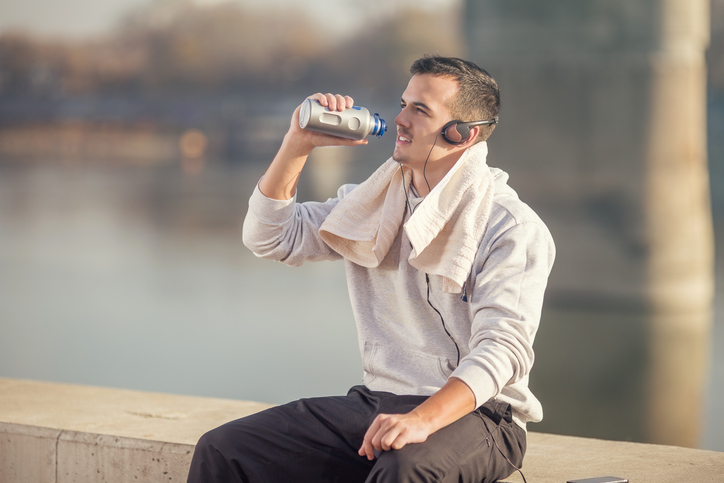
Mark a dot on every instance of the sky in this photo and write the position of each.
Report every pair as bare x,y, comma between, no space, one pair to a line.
67,18
87,18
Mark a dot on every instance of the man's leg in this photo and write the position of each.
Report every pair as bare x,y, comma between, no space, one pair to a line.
316,440
469,450
310,440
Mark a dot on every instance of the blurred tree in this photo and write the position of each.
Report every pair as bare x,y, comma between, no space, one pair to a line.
380,57
26,66
178,45
222,45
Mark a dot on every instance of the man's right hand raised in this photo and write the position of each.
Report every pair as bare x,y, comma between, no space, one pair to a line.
280,180
309,140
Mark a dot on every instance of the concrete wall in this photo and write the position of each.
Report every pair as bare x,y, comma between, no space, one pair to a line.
44,455
60,433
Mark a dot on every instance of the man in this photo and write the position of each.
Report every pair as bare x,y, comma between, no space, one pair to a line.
446,270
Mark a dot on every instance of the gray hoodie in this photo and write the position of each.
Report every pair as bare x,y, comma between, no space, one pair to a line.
412,336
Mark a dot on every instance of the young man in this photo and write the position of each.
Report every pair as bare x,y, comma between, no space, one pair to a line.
446,270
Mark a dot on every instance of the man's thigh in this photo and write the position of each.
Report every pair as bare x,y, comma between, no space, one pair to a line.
313,440
483,446
317,440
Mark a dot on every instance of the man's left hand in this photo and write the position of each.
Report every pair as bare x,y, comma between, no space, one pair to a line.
393,431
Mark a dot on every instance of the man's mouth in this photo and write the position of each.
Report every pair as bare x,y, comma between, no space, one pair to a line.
403,138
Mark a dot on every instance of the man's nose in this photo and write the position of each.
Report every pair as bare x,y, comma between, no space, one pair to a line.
401,119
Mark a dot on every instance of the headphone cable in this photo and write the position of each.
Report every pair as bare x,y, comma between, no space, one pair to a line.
424,167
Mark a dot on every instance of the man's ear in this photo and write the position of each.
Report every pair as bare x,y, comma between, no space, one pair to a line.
472,137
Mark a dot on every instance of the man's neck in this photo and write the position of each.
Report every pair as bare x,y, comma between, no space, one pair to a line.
426,178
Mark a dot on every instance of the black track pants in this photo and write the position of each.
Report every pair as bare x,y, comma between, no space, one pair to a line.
316,440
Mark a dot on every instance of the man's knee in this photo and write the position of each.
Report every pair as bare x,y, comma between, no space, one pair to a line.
404,466
211,441
218,455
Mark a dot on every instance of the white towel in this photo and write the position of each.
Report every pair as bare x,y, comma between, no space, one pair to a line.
445,229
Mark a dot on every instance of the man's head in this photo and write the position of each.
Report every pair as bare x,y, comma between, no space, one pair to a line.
477,98
441,90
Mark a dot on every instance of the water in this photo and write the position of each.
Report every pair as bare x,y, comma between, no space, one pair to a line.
137,278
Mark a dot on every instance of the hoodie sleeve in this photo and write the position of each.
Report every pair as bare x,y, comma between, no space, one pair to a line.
287,231
507,300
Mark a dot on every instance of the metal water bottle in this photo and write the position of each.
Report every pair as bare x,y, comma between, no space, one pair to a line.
355,123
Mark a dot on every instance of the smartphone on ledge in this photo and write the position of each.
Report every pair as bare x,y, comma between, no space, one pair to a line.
601,479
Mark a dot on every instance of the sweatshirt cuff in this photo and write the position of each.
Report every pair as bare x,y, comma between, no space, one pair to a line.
268,210
478,380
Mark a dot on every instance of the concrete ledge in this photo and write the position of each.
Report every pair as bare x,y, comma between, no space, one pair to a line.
62,433
556,459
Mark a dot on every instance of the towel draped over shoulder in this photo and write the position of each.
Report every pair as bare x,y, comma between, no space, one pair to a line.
445,229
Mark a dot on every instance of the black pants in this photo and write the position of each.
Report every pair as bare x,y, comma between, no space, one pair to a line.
316,440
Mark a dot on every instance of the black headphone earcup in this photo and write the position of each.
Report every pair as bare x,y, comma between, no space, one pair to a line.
458,132
455,132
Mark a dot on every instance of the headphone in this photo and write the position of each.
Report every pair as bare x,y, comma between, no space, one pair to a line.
457,132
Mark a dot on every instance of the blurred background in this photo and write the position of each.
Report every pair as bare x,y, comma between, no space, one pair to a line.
132,133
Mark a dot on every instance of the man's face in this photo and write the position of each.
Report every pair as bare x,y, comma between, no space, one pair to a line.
424,113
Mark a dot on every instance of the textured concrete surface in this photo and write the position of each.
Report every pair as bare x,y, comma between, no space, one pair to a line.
62,433
557,459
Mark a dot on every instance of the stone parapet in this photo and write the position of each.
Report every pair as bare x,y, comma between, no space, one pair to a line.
62,433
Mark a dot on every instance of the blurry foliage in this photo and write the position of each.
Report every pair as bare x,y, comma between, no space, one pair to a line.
178,46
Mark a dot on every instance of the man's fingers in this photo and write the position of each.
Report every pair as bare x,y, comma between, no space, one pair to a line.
341,102
391,437
333,102
385,433
367,448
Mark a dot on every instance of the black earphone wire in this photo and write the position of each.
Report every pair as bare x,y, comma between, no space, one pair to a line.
427,280
444,327
424,167
404,189
500,450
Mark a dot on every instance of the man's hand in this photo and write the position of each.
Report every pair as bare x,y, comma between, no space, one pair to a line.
280,180
393,431
311,139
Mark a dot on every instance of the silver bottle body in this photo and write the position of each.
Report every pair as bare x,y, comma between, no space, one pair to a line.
355,123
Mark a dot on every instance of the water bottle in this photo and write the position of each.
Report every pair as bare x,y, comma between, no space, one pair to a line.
355,123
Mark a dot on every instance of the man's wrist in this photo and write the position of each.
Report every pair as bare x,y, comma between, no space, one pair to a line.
450,403
294,145
427,418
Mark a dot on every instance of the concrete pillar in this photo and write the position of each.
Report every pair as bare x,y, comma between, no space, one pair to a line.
603,130
679,228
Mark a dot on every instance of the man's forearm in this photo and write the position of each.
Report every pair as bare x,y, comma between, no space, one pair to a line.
453,401
281,178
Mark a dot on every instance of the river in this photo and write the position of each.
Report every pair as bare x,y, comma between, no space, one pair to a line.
137,278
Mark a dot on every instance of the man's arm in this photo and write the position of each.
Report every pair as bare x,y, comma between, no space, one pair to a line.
393,431
280,180
518,267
